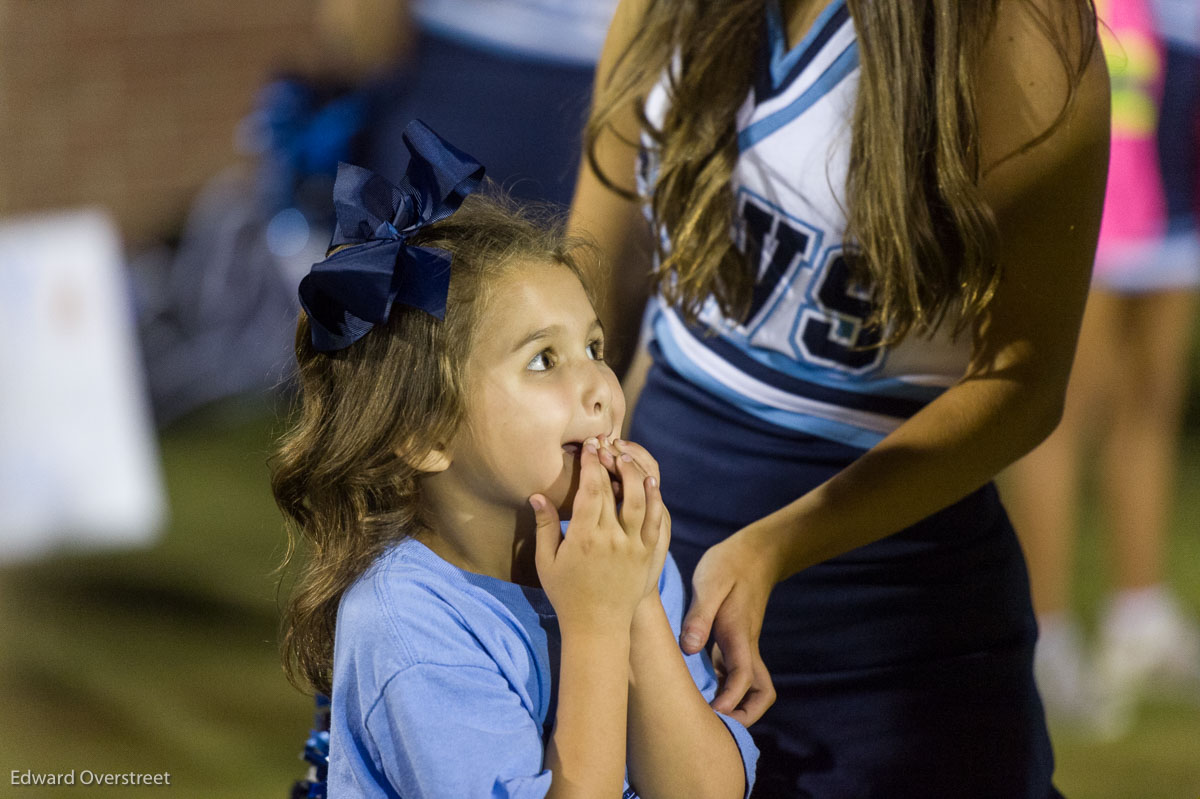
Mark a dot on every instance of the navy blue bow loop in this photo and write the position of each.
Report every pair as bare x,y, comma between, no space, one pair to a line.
354,289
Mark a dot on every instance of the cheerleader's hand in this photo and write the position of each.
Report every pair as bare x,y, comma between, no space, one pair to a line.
730,588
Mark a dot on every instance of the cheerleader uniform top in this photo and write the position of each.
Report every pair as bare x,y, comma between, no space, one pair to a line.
802,359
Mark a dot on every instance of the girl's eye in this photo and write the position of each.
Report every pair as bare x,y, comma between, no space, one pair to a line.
541,362
595,350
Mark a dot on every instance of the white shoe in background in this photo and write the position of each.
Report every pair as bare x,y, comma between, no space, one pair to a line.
1148,647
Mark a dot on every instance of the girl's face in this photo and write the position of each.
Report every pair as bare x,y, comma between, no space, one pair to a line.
536,387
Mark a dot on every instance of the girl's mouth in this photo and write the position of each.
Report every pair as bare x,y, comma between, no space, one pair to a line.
573,448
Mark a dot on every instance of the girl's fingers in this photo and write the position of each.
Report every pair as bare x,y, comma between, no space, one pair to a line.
664,536
610,455
652,522
639,454
595,485
549,533
594,491
606,459
633,491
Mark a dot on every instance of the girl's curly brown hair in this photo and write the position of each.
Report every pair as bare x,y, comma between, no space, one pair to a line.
346,474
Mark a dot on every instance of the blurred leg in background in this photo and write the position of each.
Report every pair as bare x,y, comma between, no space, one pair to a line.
1042,494
1146,640
1124,405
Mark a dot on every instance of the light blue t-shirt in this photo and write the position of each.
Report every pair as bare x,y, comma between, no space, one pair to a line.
443,682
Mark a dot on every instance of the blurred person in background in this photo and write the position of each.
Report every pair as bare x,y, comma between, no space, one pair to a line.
1126,391
508,80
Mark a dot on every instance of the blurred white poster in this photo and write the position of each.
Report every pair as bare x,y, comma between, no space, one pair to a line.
78,459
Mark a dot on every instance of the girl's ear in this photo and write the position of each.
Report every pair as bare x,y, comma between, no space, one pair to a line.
436,459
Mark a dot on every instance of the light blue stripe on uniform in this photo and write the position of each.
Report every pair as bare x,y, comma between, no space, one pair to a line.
886,386
830,429
834,74
782,59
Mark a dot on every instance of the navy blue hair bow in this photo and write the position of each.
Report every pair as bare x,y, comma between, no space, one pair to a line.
354,289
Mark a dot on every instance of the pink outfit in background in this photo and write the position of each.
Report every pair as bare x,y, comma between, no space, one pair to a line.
1134,208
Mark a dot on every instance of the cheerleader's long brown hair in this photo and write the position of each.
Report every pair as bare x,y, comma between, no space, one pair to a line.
347,473
926,240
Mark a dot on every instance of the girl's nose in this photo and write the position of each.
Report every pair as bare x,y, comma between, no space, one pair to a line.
597,393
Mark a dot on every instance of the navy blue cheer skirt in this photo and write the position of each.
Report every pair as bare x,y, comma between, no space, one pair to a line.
903,668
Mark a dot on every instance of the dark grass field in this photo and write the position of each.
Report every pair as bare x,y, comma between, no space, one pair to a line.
164,660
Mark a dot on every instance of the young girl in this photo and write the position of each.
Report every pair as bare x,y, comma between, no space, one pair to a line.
913,189
454,405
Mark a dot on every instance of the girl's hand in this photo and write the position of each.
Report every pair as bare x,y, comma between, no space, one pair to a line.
730,588
643,465
611,450
596,575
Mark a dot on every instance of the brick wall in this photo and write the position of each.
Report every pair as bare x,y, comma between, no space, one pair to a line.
132,104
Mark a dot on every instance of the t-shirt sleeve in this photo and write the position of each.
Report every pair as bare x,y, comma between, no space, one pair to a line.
457,731
670,588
